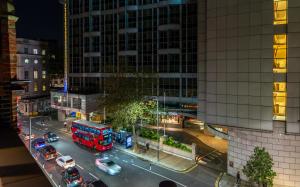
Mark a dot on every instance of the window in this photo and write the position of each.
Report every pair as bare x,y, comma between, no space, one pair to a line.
44,87
279,100
95,44
163,39
26,75
95,25
280,54
131,41
132,19
163,15
35,87
26,50
35,51
95,4
43,52
44,74
26,61
280,12
36,61
86,44
35,74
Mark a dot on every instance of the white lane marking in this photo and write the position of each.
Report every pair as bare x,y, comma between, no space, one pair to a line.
111,155
158,175
94,176
59,153
125,161
80,166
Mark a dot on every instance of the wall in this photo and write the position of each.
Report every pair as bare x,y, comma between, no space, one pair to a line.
284,149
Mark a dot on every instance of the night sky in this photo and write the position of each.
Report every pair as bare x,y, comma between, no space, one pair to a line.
40,19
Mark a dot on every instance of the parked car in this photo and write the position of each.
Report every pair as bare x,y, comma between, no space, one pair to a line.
65,162
107,165
71,177
51,137
97,183
26,136
48,152
38,143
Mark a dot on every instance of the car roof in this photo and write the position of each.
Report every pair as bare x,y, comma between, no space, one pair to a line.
66,157
72,170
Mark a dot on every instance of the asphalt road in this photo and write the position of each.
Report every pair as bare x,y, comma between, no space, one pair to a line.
135,172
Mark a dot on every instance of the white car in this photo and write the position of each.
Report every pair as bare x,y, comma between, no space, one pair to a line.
107,165
65,162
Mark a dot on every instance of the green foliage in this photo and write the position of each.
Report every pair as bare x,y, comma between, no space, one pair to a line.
173,143
149,134
259,167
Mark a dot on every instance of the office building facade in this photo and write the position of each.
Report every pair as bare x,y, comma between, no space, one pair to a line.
155,39
250,71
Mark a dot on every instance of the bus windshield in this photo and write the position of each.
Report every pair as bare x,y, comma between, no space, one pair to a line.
106,139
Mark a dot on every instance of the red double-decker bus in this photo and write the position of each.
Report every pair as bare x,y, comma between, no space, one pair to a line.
92,135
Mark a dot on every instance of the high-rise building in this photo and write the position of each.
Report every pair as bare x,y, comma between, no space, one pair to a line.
157,39
249,82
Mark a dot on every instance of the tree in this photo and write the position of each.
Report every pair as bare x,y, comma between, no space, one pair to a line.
125,103
259,167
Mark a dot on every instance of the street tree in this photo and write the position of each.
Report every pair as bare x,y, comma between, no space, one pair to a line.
259,167
126,104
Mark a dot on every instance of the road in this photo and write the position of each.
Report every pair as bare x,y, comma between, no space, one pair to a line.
135,172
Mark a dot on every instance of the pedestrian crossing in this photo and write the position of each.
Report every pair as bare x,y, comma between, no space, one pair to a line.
212,157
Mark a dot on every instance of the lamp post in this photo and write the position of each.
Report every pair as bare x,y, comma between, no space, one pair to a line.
30,118
165,113
157,129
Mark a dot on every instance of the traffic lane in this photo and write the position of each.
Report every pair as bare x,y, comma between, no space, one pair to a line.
189,179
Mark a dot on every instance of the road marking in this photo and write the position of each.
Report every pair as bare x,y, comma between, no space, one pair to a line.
59,153
80,166
158,175
125,161
94,176
117,158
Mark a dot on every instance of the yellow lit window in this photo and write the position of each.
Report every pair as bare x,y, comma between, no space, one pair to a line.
279,53
35,74
43,74
35,87
280,12
279,101
44,87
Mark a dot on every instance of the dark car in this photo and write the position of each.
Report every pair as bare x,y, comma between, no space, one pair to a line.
48,152
71,177
38,143
97,183
51,137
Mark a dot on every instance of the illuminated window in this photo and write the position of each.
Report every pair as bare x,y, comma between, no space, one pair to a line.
279,101
26,61
35,74
43,74
43,52
44,87
36,61
35,87
280,12
35,51
280,53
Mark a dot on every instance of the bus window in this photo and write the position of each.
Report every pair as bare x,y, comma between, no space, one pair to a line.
98,132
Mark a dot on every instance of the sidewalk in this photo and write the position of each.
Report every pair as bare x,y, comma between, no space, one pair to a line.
229,181
167,161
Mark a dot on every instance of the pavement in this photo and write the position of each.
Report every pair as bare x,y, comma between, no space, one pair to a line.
136,170
226,180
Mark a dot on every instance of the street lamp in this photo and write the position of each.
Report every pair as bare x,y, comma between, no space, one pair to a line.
30,118
157,129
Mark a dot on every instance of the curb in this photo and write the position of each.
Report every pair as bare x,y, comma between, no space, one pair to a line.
217,182
158,164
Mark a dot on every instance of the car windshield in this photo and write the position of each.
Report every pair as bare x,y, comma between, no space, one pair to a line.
69,161
50,149
110,163
107,139
73,175
52,135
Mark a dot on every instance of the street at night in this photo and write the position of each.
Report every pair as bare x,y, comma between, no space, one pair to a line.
135,171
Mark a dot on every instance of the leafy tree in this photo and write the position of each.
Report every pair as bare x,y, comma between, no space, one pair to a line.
125,103
259,167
